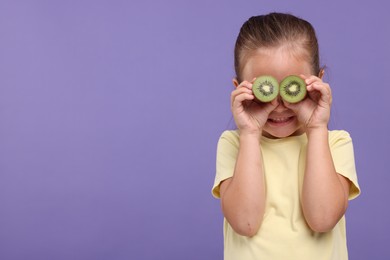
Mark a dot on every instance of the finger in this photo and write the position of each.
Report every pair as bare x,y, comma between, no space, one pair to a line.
241,91
293,106
275,102
324,90
271,106
315,80
303,76
245,84
244,87
311,79
320,86
244,96
237,102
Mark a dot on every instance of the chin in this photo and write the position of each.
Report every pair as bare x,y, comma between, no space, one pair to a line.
282,133
275,135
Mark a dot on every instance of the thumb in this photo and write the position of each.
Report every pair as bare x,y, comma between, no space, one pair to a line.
293,106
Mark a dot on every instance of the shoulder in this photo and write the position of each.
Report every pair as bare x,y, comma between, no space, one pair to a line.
228,142
230,136
337,136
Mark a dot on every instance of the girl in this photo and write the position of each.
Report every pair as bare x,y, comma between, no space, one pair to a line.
284,180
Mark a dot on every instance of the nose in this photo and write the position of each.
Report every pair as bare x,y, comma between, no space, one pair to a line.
281,107
280,100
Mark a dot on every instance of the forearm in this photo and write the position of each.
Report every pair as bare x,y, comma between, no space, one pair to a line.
243,199
324,200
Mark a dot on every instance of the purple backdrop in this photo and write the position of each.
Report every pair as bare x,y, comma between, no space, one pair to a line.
110,112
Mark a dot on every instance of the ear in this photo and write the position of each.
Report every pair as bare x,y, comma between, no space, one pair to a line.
235,82
321,74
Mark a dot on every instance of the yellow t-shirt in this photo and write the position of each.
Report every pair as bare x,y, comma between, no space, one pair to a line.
284,233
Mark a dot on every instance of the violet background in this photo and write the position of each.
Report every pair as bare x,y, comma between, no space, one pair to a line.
110,112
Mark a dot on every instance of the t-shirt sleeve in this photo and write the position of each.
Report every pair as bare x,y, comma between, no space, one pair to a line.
343,158
227,150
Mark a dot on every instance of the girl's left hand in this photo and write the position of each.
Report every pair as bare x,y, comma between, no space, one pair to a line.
314,110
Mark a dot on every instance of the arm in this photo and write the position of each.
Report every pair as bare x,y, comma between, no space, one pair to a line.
324,192
243,195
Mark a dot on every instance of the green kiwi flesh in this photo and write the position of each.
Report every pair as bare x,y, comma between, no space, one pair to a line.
265,88
293,89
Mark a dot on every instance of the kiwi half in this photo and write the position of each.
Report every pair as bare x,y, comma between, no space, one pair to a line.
293,89
265,88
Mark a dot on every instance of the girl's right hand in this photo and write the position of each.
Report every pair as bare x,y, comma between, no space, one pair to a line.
250,116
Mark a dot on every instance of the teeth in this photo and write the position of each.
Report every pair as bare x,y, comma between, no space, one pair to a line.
280,119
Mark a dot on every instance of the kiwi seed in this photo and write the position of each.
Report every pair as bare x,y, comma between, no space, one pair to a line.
265,88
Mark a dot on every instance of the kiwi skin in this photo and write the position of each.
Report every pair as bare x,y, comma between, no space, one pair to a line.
265,88
293,89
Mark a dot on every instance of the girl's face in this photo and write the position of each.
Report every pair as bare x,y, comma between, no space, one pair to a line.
279,63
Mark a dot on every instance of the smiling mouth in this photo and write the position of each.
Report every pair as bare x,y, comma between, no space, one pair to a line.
280,120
